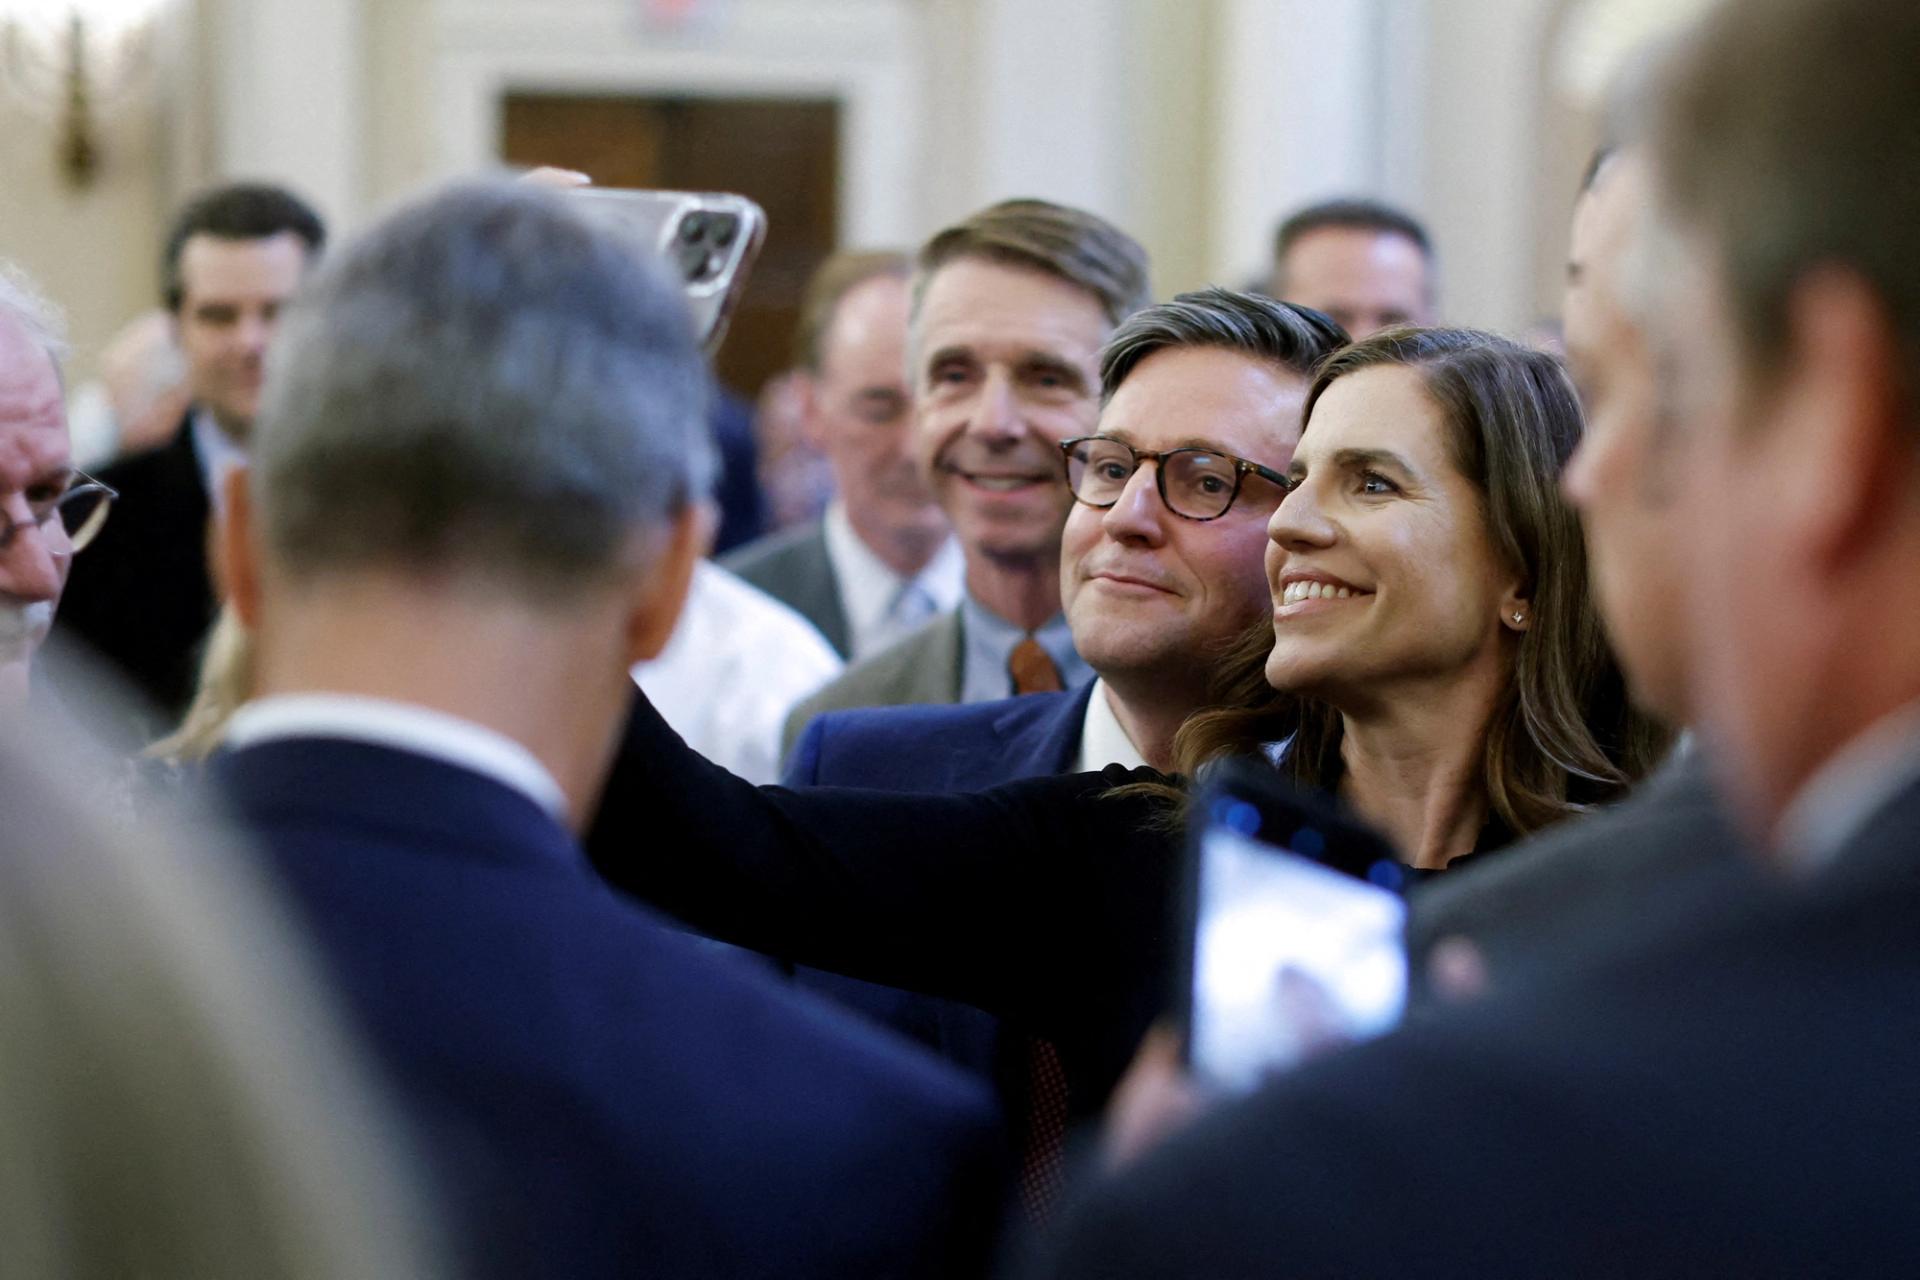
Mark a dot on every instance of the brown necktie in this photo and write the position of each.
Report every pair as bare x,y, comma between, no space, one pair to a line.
1032,670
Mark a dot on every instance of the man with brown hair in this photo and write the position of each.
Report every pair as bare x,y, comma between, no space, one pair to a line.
1367,264
1009,310
882,561
1730,1091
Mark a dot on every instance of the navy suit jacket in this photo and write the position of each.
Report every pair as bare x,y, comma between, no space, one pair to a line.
964,747
1727,1091
967,747
604,1094
140,597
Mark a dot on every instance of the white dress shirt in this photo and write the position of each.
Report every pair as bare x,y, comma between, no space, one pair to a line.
881,606
1846,792
1103,739
738,662
219,457
403,727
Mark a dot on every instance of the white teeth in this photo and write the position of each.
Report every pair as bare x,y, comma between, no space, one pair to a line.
1296,592
1002,484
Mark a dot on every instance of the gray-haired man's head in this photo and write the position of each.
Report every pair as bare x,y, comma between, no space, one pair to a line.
485,384
36,464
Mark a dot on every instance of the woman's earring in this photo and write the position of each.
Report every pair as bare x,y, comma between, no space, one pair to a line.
1519,618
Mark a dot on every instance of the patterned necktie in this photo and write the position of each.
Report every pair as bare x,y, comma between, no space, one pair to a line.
1042,1143
1032,669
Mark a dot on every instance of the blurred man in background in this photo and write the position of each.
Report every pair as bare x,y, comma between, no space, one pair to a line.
882,561
144,598
1366,264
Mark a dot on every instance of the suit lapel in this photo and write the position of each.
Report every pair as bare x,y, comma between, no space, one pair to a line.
1040,733
823,593
937,673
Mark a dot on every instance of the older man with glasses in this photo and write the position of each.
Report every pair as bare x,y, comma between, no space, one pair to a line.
48,510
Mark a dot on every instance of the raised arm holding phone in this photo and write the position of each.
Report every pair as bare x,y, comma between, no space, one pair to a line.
1433,657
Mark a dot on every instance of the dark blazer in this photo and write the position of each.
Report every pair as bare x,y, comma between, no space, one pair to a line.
649,1107
958,748
1737,1098
966,747
1622,869
1048,902
140,597
792,566
924,667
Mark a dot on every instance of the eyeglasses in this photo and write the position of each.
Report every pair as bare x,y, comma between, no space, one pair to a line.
82,510
1196,484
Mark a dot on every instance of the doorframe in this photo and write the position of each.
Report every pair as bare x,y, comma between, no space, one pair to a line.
856,54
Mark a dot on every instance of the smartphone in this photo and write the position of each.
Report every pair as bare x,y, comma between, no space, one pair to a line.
707,239
1295,922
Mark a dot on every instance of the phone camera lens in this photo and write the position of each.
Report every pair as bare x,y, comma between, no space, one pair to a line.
693,261
692,227
725,228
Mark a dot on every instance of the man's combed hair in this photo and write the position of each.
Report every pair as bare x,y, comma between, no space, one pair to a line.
1281,333
237,211
1081,248
1352,214
485,383
1786,133
21,300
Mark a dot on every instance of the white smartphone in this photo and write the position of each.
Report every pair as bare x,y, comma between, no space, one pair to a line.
1288,954
708,239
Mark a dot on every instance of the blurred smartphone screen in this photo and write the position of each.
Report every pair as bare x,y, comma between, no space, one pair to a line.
1289,956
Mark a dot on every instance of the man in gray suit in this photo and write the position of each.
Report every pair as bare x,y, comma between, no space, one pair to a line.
1010,308
882,561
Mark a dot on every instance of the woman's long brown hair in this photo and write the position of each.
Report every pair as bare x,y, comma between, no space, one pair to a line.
1564,736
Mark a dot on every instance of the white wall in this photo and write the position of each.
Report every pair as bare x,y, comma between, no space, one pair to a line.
1194,123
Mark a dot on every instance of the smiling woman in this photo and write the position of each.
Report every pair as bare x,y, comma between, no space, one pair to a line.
1433,659
1434,656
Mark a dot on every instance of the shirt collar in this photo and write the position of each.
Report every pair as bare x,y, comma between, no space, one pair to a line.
218,456
403,727
1103,739
871,592
989,644
1863,777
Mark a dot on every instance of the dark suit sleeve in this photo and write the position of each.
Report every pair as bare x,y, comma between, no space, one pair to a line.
1046,901
803,766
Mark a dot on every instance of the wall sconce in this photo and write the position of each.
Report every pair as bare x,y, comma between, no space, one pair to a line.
73,60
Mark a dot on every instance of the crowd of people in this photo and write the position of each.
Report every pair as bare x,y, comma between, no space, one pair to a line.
392,884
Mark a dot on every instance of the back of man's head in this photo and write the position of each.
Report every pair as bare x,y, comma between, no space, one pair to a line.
236,211
1788,137
483,385
1787,167
1081,248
